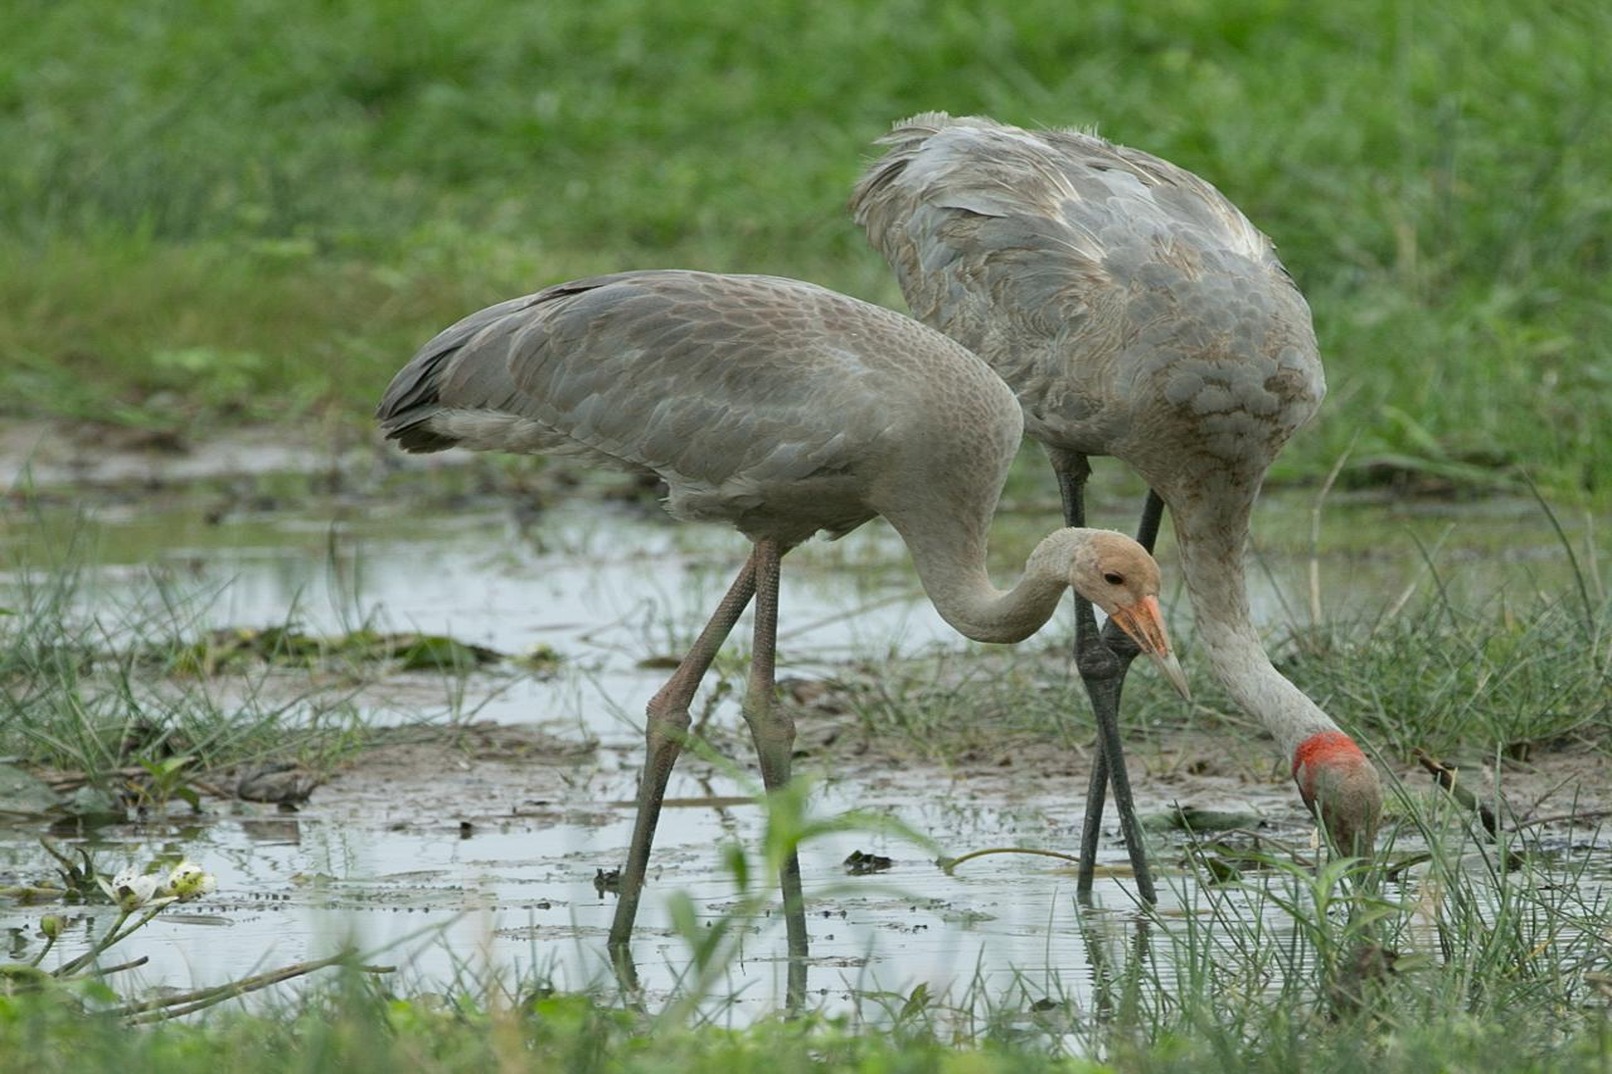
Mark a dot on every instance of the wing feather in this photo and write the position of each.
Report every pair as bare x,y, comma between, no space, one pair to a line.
743,392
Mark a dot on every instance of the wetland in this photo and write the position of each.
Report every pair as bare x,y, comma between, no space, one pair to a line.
458,821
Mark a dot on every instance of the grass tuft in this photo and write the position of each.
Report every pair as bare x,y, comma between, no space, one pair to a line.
111,700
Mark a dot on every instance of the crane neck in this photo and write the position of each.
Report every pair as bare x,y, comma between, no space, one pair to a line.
1212,547
951,562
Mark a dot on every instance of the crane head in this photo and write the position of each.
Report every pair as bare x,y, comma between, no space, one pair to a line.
1341,788
1122,578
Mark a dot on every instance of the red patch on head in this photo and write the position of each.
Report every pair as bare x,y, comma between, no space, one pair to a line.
1326,749
1341,788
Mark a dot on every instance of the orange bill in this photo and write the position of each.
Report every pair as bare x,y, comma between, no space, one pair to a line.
1144,622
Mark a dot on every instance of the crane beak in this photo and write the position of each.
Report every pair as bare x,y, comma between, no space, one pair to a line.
1144,622
1172,671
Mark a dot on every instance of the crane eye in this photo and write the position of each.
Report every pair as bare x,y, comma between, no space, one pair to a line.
1114,578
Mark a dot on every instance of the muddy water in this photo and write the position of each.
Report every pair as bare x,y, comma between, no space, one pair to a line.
478,869
518,896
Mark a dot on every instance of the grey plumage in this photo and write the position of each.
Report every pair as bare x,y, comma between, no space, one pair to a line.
1196,355
708,381
1136,313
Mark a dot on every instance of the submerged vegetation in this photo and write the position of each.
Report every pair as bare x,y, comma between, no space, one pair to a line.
217,215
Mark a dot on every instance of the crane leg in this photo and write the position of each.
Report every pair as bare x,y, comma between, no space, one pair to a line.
1103,658
665,731
773,730
1111,660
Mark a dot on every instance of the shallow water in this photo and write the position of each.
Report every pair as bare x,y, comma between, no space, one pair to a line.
519,896
610,587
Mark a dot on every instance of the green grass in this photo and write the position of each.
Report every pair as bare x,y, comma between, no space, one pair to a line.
1512,679
138,700
260,209
359,1031
255,211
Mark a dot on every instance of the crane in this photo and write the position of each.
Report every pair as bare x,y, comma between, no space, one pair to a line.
1136,313
781,409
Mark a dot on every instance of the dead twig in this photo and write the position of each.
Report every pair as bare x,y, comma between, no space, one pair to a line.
1446,776
1567,818
948,864
183,1003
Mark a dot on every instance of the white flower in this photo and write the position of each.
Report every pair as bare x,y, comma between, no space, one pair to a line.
130,889
189,881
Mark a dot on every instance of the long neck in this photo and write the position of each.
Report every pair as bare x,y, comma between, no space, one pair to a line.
1211,541
950,559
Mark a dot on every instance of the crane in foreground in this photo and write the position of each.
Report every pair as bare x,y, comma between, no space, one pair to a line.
1136,313
781,409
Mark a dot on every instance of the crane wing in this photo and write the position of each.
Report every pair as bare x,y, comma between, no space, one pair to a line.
1108,287
978,218
701,378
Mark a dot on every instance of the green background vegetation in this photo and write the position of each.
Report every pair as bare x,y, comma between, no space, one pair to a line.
218,212
258,209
